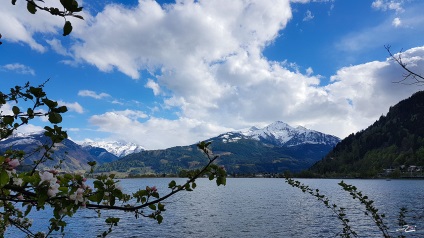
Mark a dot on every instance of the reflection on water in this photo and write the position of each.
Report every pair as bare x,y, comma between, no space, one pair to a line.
262,207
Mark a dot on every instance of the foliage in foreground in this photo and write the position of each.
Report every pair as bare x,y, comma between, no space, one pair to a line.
66,194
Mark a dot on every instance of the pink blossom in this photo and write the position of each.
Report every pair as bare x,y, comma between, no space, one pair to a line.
78,196
20,197
14,163
53,190
48,177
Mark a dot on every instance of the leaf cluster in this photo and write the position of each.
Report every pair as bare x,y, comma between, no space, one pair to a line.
69,8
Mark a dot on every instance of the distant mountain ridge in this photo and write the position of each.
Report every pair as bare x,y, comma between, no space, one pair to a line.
117,148
73,156
282,134
273,149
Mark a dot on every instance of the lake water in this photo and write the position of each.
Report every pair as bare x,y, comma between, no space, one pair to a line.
256,207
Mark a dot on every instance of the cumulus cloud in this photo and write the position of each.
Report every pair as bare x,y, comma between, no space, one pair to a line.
217,76
154,86
385,5
18,68
156,133
207,56
92,94
57,46
76,107
180,35
356,97
18,25
396,22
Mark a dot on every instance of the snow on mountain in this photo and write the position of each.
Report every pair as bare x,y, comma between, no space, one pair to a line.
282,134
117,148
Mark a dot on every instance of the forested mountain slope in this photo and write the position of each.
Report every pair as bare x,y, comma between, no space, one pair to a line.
395,141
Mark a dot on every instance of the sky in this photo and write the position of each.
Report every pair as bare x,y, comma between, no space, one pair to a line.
171,73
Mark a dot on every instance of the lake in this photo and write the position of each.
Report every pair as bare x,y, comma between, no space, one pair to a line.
256,207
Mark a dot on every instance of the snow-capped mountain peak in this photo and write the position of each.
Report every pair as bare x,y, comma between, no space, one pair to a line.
280,133
118,148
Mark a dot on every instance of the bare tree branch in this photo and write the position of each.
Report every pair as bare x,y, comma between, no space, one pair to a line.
417,78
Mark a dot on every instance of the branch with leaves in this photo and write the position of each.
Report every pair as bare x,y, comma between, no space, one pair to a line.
67,193
340,212
69,8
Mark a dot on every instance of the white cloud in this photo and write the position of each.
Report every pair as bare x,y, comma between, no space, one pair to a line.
216,75
18,25
154,86
76,107
92,94
356,97
208,55
29,128
308,16
194,32
385,5
396,22
156,133
57,46
18,68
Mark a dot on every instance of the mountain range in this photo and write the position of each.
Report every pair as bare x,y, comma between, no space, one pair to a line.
273,149
74,156
395,143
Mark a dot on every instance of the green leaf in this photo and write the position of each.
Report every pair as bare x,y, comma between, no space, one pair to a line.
112,201
67,28
152,206
28,210
8,120
221,181
16,110
66,4
78,16
62,109
159,218
161,207
98,184
31,7
55,118
4,178
172,184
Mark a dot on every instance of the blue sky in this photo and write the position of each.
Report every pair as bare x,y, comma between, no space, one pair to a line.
167,73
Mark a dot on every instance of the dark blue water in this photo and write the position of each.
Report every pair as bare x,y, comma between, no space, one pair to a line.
256,207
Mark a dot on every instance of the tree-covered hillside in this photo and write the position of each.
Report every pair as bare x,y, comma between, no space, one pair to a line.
394,143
